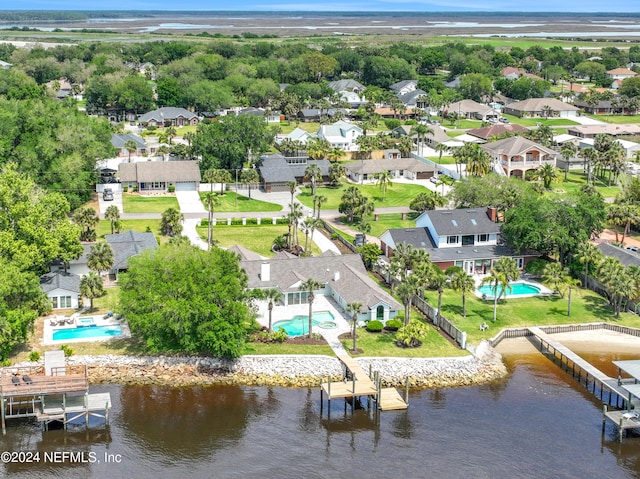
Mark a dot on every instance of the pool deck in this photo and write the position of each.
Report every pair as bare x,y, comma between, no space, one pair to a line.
321,303
54,323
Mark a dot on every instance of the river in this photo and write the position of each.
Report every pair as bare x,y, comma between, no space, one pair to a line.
537,423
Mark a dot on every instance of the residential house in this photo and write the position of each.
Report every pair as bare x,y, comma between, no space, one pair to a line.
498,130
308,115
276,171
403,87
590,131
298,134
517,155
542,108
468,238
269,116
344,279
126,245
436,137
341,134
415,99
169,116
119,140
620,74
513,73
158,176
77,267
472,110
630,147
603,107
346,85
62,289
409,168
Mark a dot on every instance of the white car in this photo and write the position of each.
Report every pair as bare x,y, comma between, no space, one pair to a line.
434,180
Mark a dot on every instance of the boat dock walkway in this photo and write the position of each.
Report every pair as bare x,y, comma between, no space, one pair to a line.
624,394
358,383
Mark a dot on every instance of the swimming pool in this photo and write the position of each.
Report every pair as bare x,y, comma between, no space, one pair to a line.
519,289
95,332
299,325
85,321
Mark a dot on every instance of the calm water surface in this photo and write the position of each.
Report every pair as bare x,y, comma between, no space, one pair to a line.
535,424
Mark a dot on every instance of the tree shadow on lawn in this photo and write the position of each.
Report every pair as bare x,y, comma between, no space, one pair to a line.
599,307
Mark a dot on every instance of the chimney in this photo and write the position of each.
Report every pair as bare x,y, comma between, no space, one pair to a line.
336,276
265,272
492,213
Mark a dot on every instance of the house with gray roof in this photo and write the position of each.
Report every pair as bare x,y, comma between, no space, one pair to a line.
409,168
126,245
344,278
158,176
315,114
403,87
541,108
119,140
414,99
517,155
468,238
169,116
78,266
471,109
497,130
435,137
341,134
346,85
276,171
62,289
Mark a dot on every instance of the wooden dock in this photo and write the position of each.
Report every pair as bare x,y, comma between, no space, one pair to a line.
52,392
625,392
358,383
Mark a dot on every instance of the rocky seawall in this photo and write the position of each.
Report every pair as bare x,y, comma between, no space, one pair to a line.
485,365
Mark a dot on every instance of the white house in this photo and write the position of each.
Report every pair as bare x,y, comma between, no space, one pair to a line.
62,289
342,134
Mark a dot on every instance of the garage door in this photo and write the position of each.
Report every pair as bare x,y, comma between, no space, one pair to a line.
186,186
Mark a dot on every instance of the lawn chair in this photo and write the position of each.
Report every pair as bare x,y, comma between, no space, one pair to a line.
484,326
70,320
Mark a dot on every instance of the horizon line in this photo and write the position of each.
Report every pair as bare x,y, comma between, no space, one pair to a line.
461,10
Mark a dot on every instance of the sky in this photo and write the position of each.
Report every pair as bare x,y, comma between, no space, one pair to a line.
336,5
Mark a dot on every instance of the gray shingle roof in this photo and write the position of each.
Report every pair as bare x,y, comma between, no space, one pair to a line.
353,283
463,221
411,98
626,257
66,281
516,146
275,169
167,113
244,253
537,105
166,171
128,244
401,84
118,140
348,84
378,166
489,132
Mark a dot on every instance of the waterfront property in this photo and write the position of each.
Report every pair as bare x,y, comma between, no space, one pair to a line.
518,289
50,392
62,289
299,324
77,329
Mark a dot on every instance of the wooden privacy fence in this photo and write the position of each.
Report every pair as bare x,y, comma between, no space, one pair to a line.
459,336
332,231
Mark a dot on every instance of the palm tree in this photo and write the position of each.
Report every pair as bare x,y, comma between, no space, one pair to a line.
87,219
421,131
354,308
614,277
91,286
478,160
384,181
336,171
463,282
171,133
212,201
405,145
568,151
163,150
588,254
273,295
171,222
295,215
334,154
504,271
249,177
555,274
590,156
310,285
292,185
314,174
319,201
405,292
309,225
112,214
570,282
547,173
131,146
100,257
497,280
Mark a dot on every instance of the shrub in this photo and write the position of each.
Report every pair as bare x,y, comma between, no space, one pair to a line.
279,336
171,188
282,221
67,350
411,335
411,122
392,123
536,266
374,326
334,236
393,325
125,188
451,270
34,356
135,189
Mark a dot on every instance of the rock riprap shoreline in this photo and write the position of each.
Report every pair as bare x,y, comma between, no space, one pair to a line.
290,371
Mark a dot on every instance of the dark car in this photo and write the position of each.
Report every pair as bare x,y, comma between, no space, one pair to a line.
359,239
107,194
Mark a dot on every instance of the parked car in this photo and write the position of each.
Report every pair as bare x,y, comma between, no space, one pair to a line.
504,120
635,249
434,180
107,194
359,239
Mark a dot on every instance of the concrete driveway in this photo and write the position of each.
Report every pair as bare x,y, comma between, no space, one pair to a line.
117,201
189,202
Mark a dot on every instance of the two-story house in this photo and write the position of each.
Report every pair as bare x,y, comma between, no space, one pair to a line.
517,155
468,238
341,134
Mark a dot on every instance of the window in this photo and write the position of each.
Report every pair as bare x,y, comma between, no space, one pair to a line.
520,262
54,302
61,302
452,239
483,238
467,240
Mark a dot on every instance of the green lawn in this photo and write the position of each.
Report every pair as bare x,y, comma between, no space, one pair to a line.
463,124
586,307
256,238
284,348
392,220
107,302
244,204
445,160
542,121
617,119
400,194
314,126
134,203
383,344
577,179
104,227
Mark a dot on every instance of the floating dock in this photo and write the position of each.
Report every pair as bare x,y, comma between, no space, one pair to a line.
52,392
357,384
